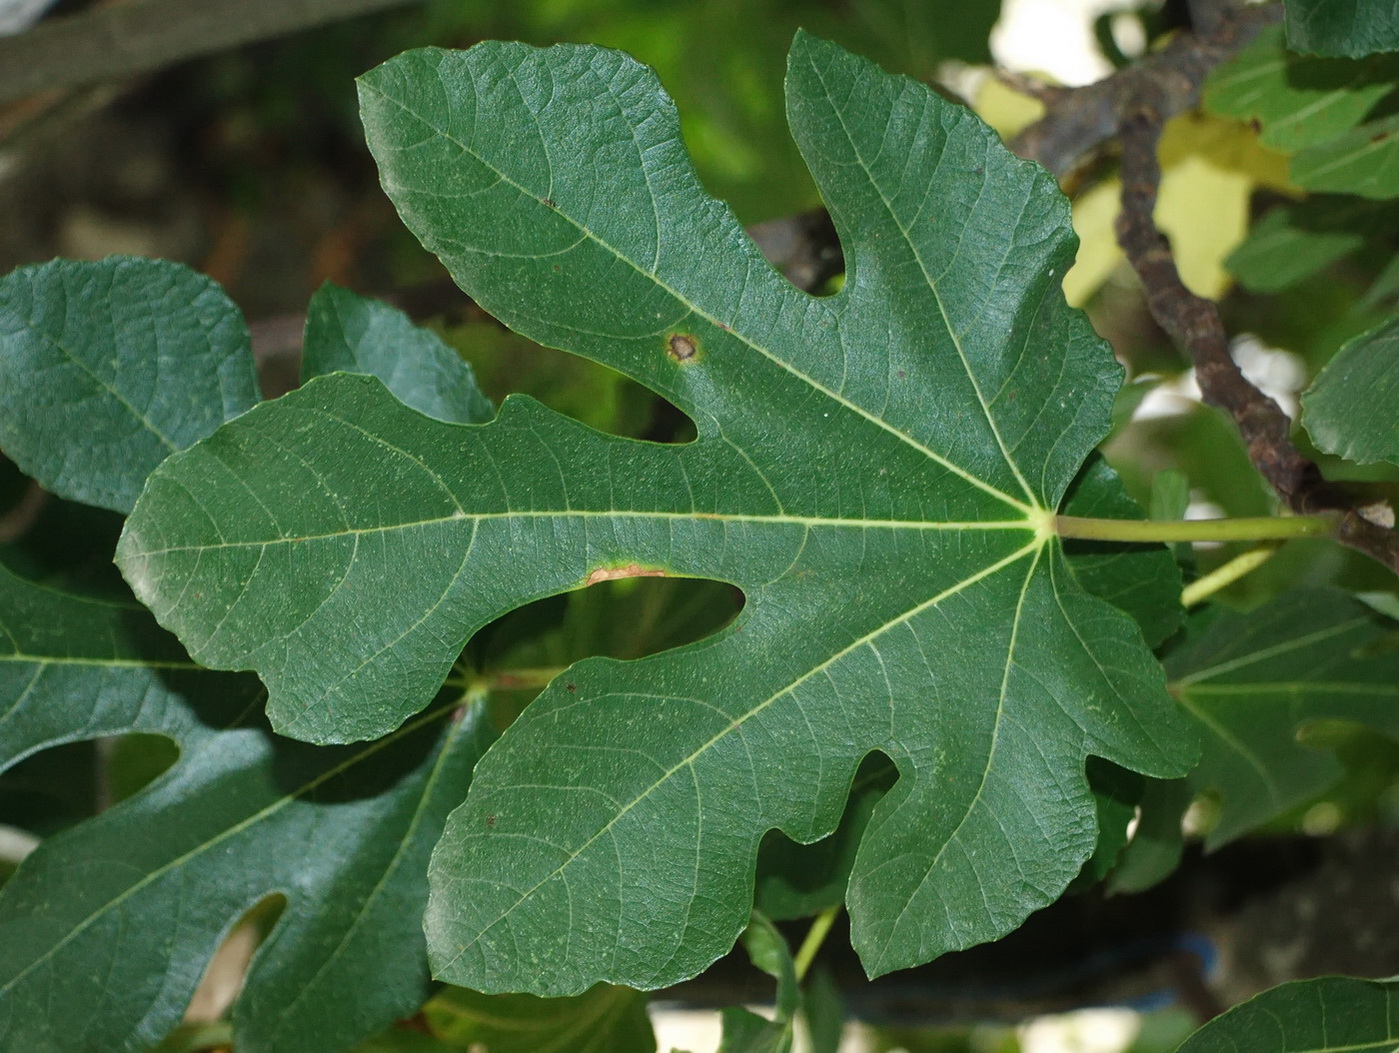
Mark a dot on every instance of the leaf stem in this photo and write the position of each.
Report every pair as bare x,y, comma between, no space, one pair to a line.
815,936
1226,575
1260,528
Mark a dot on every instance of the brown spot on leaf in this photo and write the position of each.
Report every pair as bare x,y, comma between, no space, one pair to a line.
547,202
631,570
490,820
570,688
682,348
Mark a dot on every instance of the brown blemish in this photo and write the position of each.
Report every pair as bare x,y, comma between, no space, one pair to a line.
547,202
570,688
631,570
490,820
682,348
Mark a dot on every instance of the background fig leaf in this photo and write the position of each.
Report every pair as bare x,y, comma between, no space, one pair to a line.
744,1031
1295,241
602,1020
875,470
1158,842
1349,409
1252,681
354,334
1342,27
1331,1014
107,368
1364,160
796,880
1298,100
1333,114
106,928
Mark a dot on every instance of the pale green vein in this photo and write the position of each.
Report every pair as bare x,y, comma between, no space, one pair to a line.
809,522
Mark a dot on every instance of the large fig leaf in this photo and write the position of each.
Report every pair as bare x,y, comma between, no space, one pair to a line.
876,470
106,928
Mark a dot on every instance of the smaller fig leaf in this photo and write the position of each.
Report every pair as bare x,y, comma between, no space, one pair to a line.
107,368
106,928
1331,1014
349,333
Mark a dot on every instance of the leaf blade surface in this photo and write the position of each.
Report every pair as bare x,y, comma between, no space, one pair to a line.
354,334
1331,1014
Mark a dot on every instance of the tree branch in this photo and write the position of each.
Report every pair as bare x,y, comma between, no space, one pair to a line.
1082,119
146,35
1195,324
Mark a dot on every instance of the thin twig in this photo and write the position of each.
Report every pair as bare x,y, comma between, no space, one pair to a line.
1080,121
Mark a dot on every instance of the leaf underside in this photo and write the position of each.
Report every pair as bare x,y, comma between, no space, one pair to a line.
872,469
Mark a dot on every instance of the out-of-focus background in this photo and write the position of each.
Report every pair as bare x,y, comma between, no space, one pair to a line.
249,165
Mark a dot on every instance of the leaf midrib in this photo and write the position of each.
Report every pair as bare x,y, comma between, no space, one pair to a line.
810,522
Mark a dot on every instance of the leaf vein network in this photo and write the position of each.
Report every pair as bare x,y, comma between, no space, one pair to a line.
1033,549
902,436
